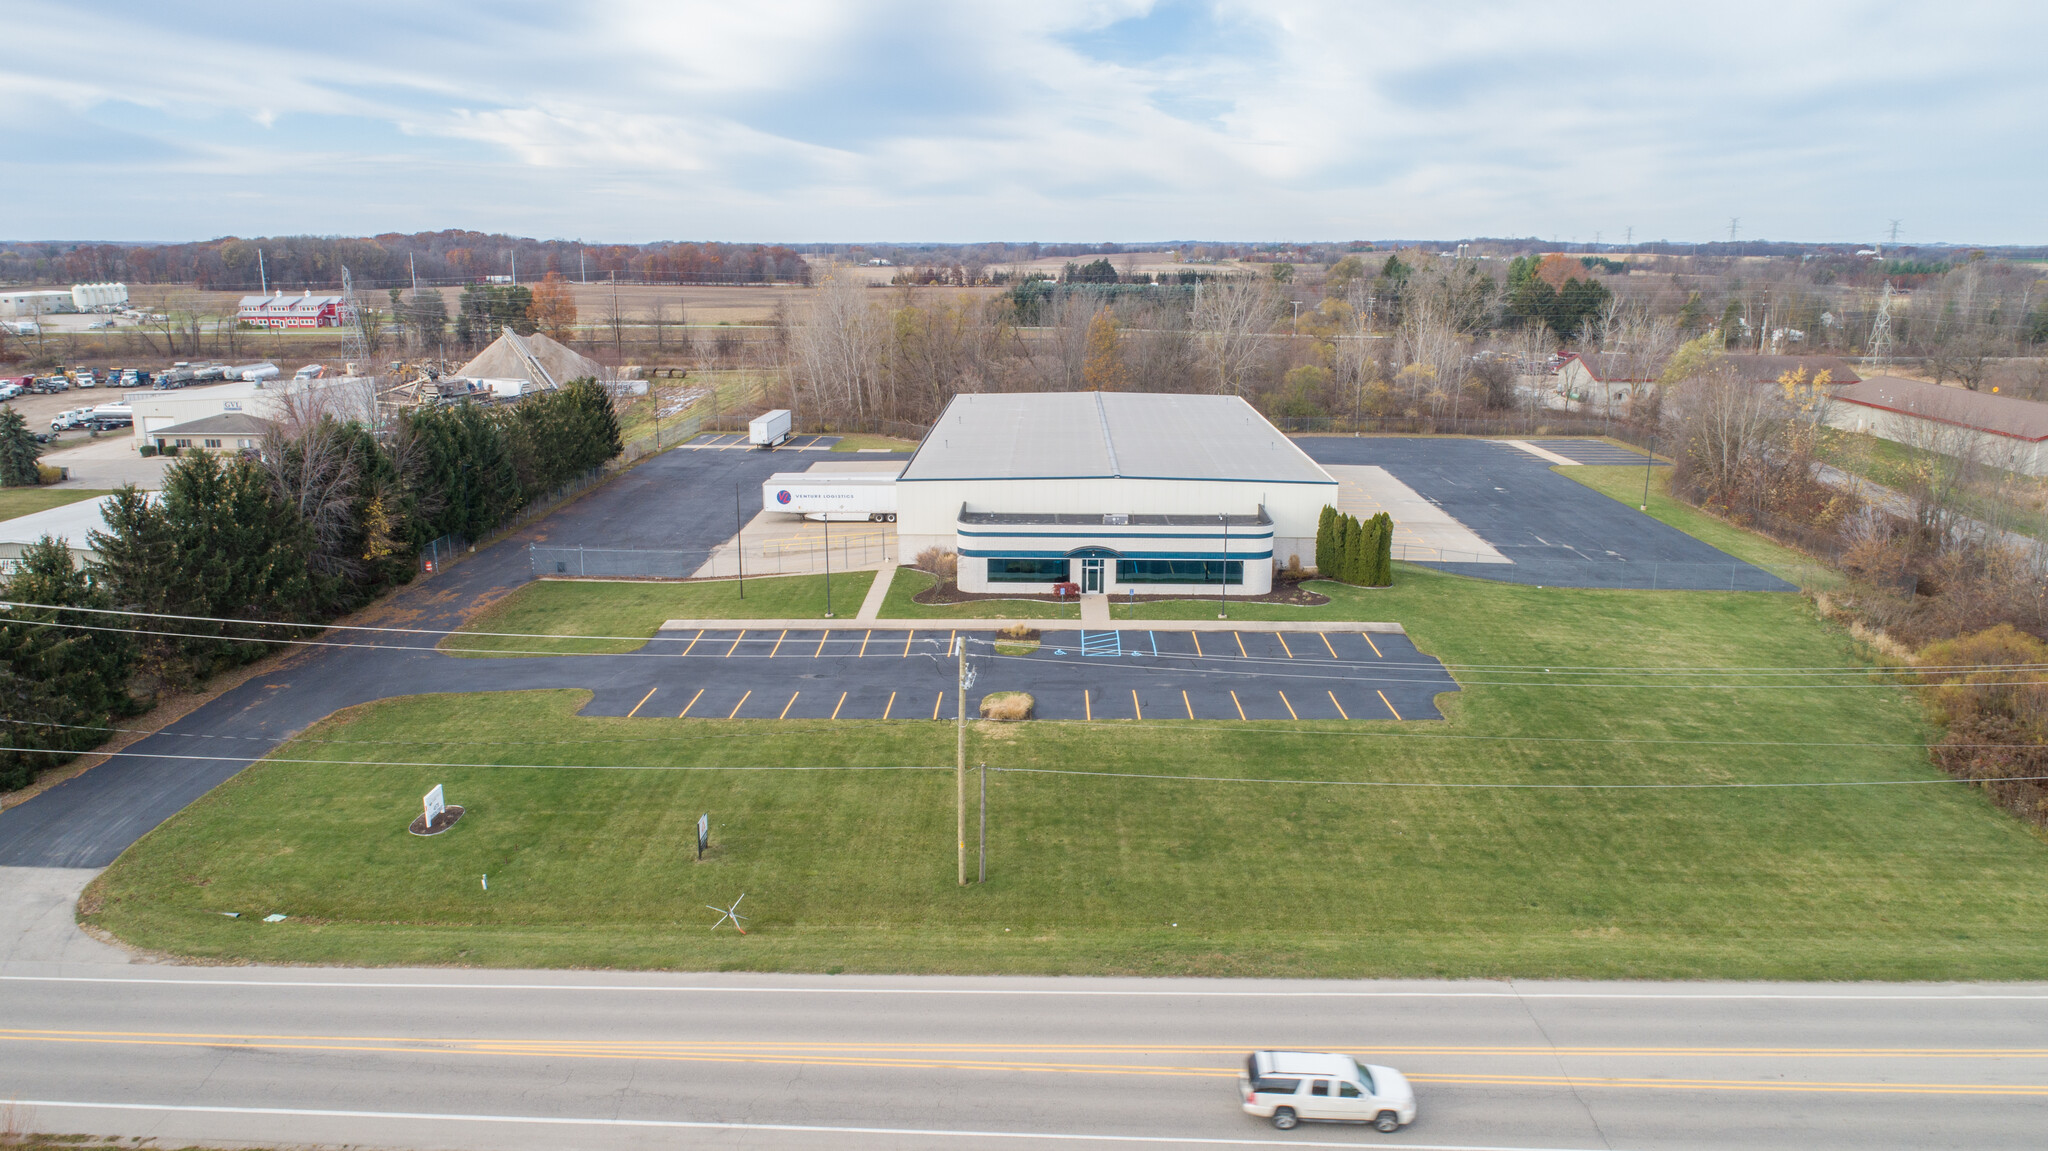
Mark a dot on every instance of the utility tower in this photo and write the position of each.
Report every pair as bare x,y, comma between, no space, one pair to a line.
355,339
1895,233
1881,330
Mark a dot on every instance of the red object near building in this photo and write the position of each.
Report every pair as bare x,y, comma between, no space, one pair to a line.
282,311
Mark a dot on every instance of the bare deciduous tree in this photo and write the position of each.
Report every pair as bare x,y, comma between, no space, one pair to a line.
1231,320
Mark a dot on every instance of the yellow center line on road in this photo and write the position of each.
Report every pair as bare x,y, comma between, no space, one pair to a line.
1239,706
1375,647
735,643
840,704
778,643
742,703
1325,637
1289,706
642,703
1186,704
977,1057
693,703
1338,706
906,643
1388,702
790,704
1197,637
693,640
865,637
1283,644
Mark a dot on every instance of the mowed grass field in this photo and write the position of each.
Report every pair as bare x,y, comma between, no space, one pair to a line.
599,618
1332,871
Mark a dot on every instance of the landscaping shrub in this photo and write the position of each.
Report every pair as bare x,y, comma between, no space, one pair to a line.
939,562
1353,552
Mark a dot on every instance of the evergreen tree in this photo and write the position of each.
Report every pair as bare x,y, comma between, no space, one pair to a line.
1325,526
1383,550
1353,564
58,685
18,451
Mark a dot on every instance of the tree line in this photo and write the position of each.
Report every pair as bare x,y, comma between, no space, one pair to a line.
254,550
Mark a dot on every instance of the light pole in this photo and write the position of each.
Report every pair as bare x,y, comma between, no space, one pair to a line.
739,543
1223,572
1649,462
828,566
960,765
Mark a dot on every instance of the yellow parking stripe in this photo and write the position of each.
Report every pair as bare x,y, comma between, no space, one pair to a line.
937,703
778,643
1338,706
1239,706
1186,704
865,637
822,637
693,640
906,643
642,703
1290,707
742,703
735,643
1324,636
1388,702
1240,645
1087,709
840,704
790,704
1197,637
1283,644
1375,647
1136,711
890,704
693,703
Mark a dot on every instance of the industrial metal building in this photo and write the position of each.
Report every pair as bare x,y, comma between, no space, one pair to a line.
1113,491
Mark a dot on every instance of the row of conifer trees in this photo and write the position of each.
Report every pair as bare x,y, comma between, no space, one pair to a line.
1355,552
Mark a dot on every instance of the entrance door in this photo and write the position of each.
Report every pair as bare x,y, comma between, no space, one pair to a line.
1091,577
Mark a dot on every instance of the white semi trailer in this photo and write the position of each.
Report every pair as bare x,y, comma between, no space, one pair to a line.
768,429
834,496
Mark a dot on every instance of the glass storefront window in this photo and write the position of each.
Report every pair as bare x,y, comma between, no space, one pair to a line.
1179,571
1002,569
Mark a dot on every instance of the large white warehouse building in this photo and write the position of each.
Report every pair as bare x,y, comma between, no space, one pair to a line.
1114,491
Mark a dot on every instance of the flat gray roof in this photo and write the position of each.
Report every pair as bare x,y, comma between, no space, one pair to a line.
1103,435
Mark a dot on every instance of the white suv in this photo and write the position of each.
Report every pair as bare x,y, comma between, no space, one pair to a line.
1290,1086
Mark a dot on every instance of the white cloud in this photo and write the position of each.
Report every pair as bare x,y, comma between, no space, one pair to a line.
812,119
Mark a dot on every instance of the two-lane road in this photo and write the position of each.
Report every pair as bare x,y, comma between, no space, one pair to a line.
498,1060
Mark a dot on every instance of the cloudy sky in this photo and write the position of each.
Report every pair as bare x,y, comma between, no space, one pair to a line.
1127,120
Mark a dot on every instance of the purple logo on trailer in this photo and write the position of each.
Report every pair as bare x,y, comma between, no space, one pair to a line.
782,497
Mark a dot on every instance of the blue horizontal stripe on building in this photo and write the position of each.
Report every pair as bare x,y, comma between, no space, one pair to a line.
1008,554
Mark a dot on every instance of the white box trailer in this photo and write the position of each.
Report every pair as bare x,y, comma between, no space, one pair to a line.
769,429
834,496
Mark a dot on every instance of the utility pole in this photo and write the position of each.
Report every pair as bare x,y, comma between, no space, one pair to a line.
262,275
1895,233
960,766
739,543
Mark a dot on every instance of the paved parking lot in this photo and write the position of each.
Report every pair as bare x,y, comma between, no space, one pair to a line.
1557,532
1127,674
737,442
1597,452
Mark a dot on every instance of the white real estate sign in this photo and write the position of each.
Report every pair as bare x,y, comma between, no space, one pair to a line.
436,804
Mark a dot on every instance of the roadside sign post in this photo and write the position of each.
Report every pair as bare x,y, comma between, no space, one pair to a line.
436,804
703,833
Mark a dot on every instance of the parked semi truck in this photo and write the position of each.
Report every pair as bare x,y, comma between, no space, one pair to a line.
769,429
834,496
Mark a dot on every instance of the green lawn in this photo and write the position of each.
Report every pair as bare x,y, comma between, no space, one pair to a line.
854,443
853,870
631,611
910,581
22,501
